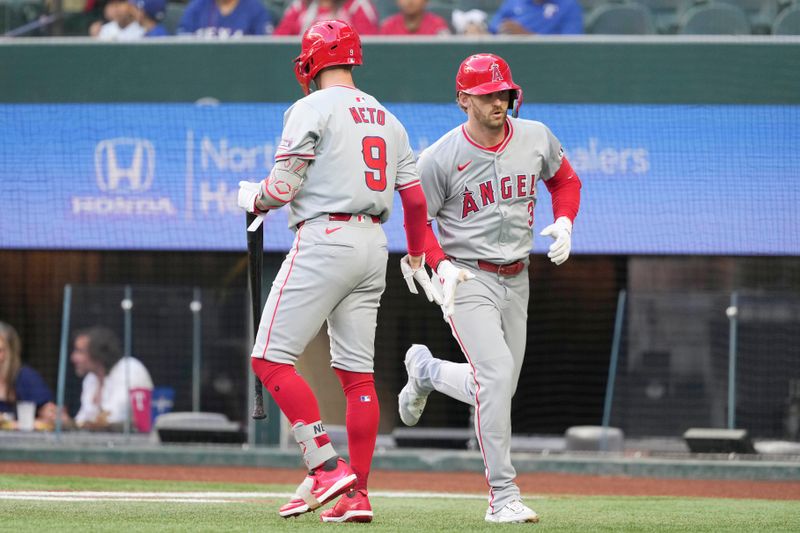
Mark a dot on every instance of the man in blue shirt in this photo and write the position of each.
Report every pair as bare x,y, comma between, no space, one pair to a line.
225,18
149,14
525,17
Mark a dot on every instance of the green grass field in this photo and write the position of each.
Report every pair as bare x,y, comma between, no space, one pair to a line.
618,514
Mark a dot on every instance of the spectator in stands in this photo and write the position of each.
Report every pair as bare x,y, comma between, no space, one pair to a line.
21,383
108,378
361,15
121,25
470,22
525,17
225,18
414,19
149,14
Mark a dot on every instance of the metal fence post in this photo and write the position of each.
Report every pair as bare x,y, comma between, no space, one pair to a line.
127,306
733,316
196,307
612,367
62,357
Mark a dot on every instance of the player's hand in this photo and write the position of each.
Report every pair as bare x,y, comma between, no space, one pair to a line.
420,275
561,232
248,194
451,276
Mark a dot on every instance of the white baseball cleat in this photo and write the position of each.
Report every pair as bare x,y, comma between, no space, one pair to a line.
411,400
513,513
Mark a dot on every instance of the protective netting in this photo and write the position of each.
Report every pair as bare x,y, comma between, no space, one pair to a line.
145,195
679,351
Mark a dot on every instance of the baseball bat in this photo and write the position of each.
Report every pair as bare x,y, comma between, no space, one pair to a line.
255,266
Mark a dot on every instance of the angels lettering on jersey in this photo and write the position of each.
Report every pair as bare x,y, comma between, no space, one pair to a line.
508,188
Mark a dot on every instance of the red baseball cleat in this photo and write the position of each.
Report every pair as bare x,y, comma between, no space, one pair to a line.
353,507
318,488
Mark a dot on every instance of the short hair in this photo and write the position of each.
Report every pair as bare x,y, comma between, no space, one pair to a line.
104,345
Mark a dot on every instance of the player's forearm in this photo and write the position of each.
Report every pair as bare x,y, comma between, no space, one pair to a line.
565,191
283,183
415,213
433,250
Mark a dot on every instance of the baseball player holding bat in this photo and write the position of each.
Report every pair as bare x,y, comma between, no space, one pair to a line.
480,185
341,157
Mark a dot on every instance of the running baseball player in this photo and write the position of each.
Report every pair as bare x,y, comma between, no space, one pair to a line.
341,157
480,184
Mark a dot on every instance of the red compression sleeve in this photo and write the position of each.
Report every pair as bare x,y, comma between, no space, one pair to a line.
565,190
290,391
361,421
415,216
433,250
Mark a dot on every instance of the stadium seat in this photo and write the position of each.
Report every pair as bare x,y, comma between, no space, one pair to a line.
625,18
172,17
788,21
16,13
713,18
665,14
489,6
276,8
760,13
386,8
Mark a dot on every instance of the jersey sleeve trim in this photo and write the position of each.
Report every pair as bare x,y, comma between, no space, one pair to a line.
281,157
408,185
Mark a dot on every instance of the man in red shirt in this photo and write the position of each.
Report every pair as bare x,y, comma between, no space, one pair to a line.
361,15
413,19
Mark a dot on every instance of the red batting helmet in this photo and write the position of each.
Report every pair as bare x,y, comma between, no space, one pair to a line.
326,43
488,73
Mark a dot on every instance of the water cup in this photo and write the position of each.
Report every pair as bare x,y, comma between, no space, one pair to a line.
140,408
26,415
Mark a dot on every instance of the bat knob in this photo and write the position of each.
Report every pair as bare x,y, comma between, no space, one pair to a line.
258,413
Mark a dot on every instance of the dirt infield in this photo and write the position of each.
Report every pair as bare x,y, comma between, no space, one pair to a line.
530,483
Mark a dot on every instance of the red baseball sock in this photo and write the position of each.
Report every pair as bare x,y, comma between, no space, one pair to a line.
363,415
291,392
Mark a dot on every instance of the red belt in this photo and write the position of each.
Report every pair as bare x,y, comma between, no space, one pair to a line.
511,269
345,217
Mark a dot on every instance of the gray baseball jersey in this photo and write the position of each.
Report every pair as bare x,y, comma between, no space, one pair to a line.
483,200
359,154
336,270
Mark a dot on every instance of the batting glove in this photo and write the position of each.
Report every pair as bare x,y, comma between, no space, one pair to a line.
451,276
248,194
561,232
420,275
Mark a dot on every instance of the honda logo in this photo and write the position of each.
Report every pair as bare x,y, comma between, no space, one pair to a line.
124,164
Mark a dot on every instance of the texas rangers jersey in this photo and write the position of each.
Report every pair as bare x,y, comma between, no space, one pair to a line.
482,199
358,151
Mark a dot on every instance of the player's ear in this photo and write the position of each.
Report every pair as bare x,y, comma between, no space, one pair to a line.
462,99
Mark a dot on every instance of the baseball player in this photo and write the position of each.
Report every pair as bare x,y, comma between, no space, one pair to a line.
341,157
480,184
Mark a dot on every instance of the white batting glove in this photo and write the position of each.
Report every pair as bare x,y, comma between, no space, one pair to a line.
451,276
248,194
561,232
420,275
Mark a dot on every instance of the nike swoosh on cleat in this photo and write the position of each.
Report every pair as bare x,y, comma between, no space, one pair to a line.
331,230
465,165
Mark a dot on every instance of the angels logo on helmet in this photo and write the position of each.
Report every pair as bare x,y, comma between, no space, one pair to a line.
488,73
